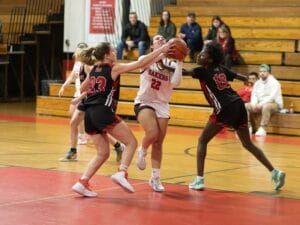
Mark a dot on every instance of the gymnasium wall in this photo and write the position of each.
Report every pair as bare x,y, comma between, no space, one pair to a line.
77,22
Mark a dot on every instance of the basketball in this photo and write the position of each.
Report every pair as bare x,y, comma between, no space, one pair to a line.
181,49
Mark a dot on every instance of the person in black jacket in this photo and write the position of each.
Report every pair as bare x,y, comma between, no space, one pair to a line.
216,22
135,35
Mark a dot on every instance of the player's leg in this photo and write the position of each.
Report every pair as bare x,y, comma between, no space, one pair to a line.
210,130
156,155
76,119
102,147
148,120
118,147
277,175
122,133
82,139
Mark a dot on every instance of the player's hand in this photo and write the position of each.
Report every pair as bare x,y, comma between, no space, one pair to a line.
168,48
75,101
61,91
181,35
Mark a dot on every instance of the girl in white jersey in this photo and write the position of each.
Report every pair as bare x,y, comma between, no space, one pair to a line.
75,76
152,109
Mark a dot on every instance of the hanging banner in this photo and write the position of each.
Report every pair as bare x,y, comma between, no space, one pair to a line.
102,14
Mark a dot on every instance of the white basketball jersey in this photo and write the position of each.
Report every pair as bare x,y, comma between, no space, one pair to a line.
76,70
155,85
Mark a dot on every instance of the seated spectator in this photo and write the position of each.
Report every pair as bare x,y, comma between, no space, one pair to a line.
228,44
266,99
135,35
216,22
191,33
166,28
245,92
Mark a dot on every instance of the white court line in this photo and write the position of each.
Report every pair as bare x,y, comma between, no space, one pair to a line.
63,196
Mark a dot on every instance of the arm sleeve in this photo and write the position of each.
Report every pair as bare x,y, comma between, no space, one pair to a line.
177,75
197,73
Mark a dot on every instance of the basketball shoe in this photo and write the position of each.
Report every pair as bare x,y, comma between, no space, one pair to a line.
82,187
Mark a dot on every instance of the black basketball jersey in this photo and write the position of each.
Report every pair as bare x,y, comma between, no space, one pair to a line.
103,90
214,83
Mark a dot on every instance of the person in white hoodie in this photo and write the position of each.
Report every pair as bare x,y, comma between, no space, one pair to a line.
266,99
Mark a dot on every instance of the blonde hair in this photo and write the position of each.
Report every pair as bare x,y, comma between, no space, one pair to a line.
78,49
86,56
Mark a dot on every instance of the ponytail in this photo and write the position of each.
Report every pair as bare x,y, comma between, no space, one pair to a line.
86,56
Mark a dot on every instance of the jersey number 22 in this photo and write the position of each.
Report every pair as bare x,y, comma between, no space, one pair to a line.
155,84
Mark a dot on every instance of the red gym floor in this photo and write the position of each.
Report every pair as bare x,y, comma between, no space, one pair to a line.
43,197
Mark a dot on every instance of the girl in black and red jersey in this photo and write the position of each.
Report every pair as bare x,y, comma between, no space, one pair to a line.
229,111
101,85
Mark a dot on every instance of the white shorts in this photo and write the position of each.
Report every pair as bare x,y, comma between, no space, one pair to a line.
162,110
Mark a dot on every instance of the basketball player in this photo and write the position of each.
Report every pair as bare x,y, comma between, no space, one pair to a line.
77,112
152,109
229,111
75,75
100,119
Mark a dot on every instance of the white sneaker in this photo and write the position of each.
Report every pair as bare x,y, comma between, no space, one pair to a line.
121,179
82,140
141,159
82,187
261,132
156,185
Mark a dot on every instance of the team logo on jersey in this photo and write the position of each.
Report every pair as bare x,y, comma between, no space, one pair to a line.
221,81
158,75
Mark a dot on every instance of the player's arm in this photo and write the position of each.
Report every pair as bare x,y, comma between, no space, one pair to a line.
68,81
188,72
78,99
185,72
159,58
233,75
86,83
241,77
142,62
177,75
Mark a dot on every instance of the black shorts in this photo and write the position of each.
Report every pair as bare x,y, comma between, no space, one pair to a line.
138,108
99,119
234,115
81,107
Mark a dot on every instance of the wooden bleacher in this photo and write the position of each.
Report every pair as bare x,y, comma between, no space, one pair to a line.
265,32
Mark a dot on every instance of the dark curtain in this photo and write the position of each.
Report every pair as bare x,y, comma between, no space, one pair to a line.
126,10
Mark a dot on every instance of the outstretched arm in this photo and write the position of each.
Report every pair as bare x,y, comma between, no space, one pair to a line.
188,72
78,99
70,78
141,63
241,77
177,75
